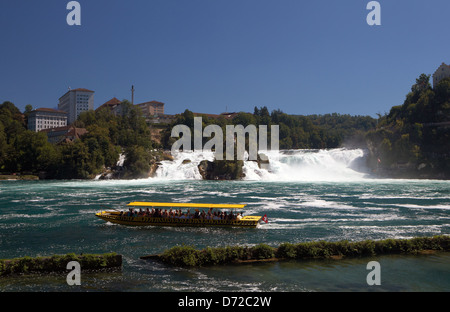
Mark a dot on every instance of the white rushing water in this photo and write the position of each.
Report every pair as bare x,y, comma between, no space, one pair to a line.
287,165
309,165
184,166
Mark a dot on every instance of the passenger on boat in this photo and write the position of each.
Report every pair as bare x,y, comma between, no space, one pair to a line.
159,213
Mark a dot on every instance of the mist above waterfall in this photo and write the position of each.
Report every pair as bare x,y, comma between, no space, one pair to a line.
286,165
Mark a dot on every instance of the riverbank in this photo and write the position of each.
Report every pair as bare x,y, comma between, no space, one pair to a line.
188,256
12,177
58,263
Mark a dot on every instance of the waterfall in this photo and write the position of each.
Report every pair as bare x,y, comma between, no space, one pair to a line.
121,160
309,165
286,165
184,166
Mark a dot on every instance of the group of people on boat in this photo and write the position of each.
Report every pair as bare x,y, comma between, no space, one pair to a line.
178,214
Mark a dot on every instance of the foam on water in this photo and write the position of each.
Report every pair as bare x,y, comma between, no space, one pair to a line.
184,166
307,196
310,165
289,165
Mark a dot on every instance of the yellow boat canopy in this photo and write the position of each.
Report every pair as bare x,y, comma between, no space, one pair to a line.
184,205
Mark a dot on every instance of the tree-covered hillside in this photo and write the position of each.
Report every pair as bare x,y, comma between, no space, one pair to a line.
295,131
413,140
25,151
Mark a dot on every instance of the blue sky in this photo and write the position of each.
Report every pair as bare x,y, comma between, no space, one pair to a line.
303,57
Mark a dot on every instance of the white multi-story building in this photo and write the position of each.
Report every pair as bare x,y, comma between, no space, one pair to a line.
442,72
46,118
75,102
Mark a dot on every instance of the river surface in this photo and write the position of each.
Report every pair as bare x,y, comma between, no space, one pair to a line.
307,196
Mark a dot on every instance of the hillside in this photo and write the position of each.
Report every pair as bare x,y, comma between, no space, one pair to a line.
413,140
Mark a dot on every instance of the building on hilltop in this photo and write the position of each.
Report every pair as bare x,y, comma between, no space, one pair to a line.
442,72
64,134
152,108
76,101
215,116
161,119
46,118
114,105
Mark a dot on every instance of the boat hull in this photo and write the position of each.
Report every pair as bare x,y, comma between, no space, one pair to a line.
115,217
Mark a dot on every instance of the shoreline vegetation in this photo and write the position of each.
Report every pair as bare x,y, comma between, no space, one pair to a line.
58,263
188,256
13,177
411,141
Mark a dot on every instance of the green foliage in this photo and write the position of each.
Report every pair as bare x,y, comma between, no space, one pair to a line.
137,162
58,263
181,256
22,150
286,250
263,251
189,256
227,169
295,131
415,133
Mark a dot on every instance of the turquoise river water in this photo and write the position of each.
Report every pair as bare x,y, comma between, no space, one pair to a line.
58,217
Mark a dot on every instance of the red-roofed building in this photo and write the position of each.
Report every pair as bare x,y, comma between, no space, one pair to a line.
64,134
113,105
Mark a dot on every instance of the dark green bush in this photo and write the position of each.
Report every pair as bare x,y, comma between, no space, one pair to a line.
181,256
263,251
286,250
58,263
189,256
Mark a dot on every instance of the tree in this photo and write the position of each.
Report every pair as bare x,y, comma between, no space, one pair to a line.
33,152
28,109
137,162
3,146
411,133
422,84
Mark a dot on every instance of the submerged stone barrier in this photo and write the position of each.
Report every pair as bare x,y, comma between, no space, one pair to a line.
58,263
189,256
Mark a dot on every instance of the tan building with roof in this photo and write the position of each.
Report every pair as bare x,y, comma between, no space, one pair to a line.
46,118
152,108
442,72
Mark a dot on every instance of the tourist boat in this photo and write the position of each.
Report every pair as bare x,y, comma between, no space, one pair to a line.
197,219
